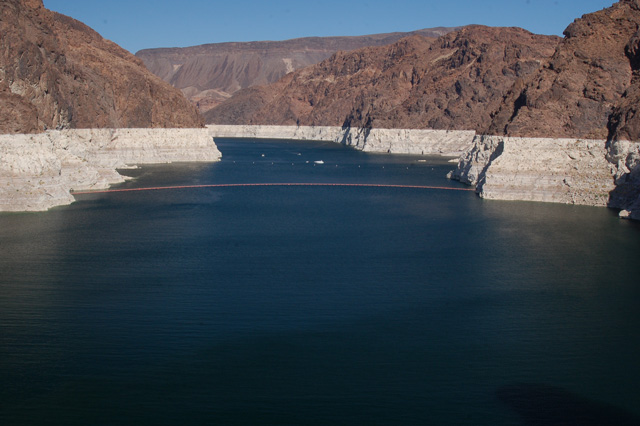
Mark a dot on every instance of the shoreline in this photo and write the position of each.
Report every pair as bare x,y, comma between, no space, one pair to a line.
559,170
39,171
446,143
592,172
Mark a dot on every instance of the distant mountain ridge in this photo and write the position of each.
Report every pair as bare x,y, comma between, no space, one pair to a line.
453,82
496,81
209,74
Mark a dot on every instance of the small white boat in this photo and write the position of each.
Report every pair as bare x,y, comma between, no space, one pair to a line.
319,162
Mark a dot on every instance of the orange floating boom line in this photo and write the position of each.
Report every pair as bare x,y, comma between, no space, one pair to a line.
234,185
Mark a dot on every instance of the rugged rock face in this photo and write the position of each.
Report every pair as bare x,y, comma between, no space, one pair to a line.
555,170
16,113
37,171
560,116
592,75
454,82
625,156
625,121
588,92
209,74
449,143
56,72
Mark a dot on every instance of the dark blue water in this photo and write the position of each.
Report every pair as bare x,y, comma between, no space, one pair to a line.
317,305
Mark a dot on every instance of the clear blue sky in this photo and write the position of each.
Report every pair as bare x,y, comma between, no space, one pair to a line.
139,24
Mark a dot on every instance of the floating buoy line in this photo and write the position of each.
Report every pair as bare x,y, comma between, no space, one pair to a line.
240,185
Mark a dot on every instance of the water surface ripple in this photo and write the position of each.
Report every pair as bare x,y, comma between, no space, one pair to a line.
317,305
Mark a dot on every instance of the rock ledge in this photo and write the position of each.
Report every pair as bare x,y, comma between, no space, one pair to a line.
450,143
570,170
38,171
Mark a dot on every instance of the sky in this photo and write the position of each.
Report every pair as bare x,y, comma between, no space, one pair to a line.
140,24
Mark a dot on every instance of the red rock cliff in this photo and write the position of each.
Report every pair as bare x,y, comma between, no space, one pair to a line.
56,72
209,74
454,82
497,81
590,87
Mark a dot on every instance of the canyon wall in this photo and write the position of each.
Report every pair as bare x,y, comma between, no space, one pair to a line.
417,95
452,83
451,143
56,72
38,171
209,74
562,170
518,88
625,156
571,171
585,97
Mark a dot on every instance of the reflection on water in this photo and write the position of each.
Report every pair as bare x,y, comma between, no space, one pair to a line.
315,305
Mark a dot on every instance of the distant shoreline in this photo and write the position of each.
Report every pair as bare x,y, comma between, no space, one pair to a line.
447,143
39,171
560,170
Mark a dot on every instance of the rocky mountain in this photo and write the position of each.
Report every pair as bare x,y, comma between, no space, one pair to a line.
624,123
211,73
56,72
500,81
556,119
570,132
590,86
453,82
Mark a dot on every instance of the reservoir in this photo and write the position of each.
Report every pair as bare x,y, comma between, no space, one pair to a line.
317,305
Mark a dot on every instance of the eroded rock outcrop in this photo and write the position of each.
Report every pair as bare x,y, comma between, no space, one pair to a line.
56,72
450,143
571,171
625,156
586,79
586,98
38,171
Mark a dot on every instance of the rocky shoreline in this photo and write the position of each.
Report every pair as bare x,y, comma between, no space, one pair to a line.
38,171
448,143
590,172
569,170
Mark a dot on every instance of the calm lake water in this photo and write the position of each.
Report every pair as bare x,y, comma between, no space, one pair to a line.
317,305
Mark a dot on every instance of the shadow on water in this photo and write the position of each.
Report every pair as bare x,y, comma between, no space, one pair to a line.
545,405
625,193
